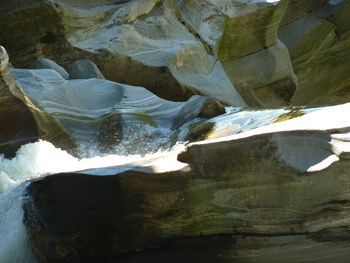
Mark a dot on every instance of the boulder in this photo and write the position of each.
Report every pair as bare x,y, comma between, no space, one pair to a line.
42,63
85,69
283,187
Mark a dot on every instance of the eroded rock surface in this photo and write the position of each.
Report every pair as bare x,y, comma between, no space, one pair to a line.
285,179
260,53
96,112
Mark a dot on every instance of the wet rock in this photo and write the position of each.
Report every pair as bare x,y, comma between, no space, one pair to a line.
198,106
95,112
284,183
85,69
43,63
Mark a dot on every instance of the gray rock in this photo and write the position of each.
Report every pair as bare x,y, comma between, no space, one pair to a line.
198,106
95,113
44,63
85,69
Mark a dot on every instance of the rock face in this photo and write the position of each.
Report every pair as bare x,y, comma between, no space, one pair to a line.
260,53
95,112
274,182
17,124
317,36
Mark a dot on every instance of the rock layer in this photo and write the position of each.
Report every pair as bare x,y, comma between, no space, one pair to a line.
250,184
94,112
179,48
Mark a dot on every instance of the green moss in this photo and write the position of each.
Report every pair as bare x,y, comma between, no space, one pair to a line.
145,119
200,130
289,115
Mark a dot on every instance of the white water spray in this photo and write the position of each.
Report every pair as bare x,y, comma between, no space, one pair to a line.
35,160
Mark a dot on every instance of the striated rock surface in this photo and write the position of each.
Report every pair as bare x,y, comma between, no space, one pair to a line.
260,53
317,36
284,187
85,69
95,112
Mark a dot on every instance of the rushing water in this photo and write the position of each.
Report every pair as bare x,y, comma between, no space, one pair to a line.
35,160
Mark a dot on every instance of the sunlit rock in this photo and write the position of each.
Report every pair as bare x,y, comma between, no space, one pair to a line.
281,180
177,49
95,112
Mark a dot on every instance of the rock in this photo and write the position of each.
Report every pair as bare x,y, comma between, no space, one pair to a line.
17,124
85,69
43,63
95,112
177,49
156,39
317,38
286,181
45,37
198,106
265,78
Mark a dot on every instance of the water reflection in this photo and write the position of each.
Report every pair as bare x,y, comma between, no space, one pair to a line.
238,120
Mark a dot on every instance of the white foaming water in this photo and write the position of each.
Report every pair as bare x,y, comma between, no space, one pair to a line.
35,160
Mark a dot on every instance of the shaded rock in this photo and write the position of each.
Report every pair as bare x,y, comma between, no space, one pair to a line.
317,39
265,78
85,69
285,179
43,63
198,106
17,124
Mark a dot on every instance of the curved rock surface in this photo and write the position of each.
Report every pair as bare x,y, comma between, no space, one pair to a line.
285,183
94,112
260,53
